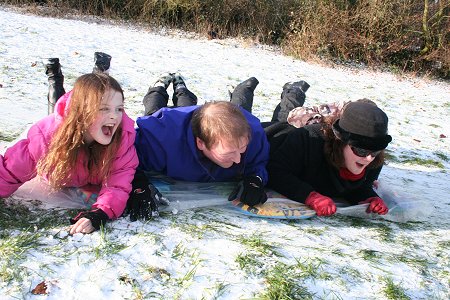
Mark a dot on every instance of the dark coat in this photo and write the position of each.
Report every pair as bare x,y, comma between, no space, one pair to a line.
297,166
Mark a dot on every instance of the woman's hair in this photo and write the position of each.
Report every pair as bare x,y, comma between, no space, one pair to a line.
68,140
334,147
219,120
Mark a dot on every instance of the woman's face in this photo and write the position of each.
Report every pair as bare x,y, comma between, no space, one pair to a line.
108,119
354,163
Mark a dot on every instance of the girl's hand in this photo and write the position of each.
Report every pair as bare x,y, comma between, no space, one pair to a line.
83,225
88,221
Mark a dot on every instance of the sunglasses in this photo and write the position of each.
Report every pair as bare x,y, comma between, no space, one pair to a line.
360,152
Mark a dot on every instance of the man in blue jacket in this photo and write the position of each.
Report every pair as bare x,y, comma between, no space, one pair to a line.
213,142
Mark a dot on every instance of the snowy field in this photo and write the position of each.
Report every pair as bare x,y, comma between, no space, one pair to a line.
213,253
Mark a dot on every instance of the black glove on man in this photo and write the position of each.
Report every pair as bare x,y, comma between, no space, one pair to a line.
144,199
249,191
97,216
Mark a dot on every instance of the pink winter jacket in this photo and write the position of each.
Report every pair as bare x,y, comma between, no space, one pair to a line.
18,164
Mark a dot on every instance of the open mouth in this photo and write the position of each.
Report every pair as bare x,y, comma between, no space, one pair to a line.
360,165
108,130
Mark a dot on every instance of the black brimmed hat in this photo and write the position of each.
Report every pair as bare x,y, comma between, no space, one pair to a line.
363,125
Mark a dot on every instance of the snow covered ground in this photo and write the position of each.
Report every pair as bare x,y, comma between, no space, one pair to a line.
213,253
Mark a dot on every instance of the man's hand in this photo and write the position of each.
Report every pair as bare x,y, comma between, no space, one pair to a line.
249,191
376,205
144,203
323,205
88,221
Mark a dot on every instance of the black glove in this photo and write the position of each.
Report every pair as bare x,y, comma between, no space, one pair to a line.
97,216
144,199
249,191
143,203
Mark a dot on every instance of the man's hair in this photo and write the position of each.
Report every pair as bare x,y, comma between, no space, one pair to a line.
68,141
334,147
219,120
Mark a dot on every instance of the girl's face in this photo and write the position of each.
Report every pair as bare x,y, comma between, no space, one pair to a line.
354,163
108,119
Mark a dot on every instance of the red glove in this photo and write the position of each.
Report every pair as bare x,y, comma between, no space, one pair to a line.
323,205
376,205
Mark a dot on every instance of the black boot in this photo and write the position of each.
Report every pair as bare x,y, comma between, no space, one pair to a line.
102,62
55,82
243,93
293,96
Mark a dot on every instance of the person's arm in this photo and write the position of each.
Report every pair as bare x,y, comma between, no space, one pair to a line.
289,163
257,154
250,190
115,190
18,164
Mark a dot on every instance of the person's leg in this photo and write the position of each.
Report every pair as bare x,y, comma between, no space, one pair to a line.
55,82
182,96
157,97
243,93
102,62
293,96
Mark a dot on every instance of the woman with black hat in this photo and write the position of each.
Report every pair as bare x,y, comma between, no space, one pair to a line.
340,158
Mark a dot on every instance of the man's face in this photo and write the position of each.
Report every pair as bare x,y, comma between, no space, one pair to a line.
224,153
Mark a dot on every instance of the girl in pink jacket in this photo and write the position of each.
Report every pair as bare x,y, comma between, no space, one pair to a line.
87,140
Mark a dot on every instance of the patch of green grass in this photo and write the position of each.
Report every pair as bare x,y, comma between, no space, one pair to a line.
13,249
394,291
152,272
8,137
411,225
359,222
283,284
16,246
219,289
107,247
314,231
187,279
15,215
412,261
354,274
311,268
136,288
179,251
442,156
421,161
259,245
12,271
385,232
370,255
444,244
249,263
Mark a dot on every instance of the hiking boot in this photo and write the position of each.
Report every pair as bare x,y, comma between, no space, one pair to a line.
302,85
102,62
55,81
178,81
164,80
